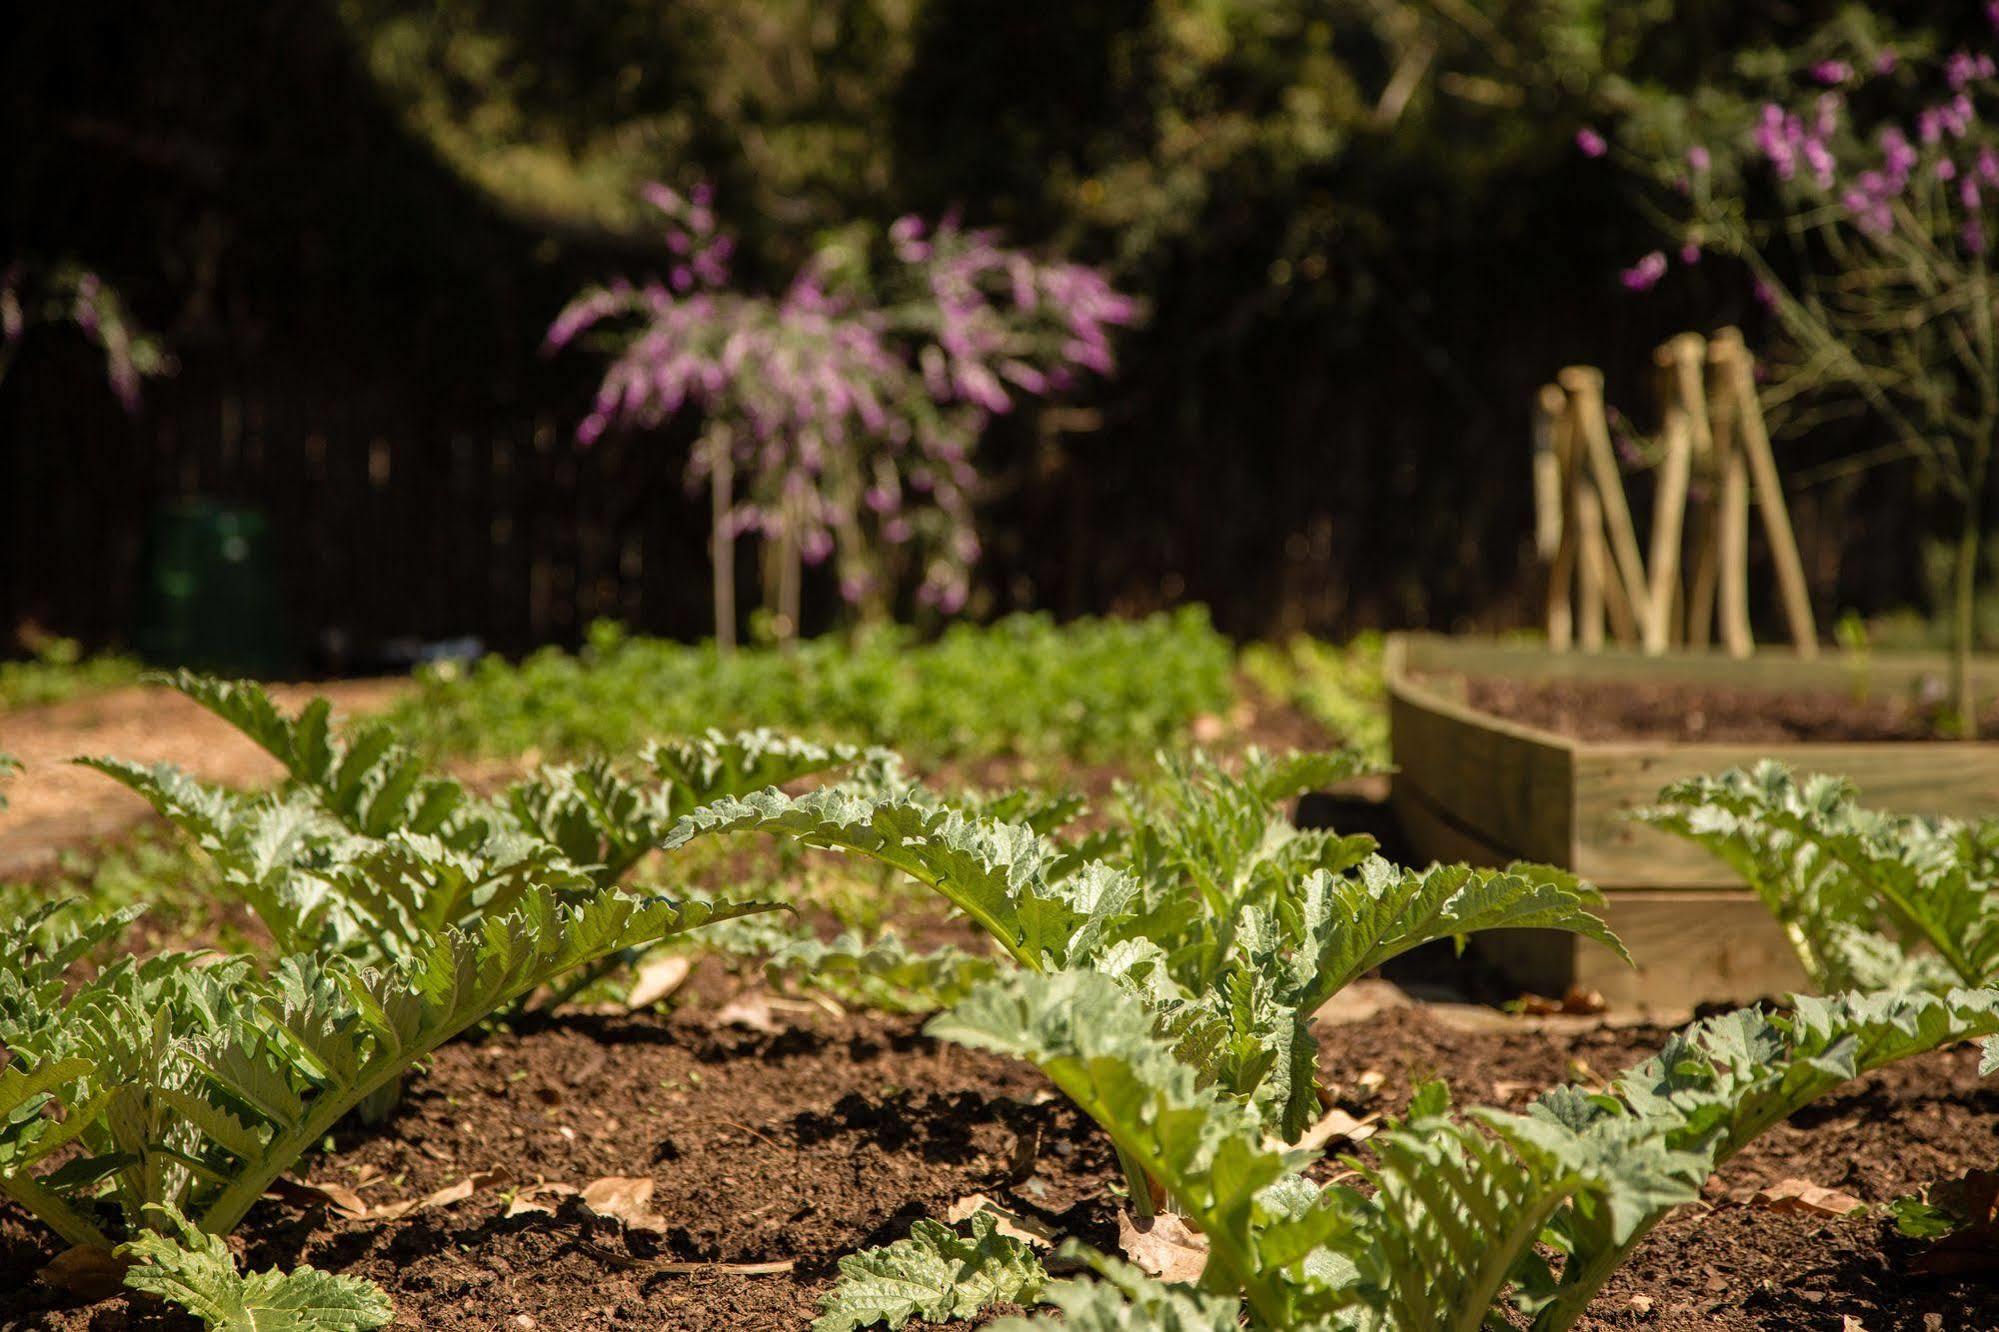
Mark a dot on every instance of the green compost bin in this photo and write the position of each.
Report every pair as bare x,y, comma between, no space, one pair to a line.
209,597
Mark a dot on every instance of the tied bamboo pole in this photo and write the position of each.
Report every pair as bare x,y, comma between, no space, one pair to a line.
1562,568
1731,514
1686,432
1585,389
1548,405
721,546
1753,440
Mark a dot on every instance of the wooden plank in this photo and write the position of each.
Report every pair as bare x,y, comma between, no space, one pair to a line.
1503,784
1687,949
1935,777
1871,673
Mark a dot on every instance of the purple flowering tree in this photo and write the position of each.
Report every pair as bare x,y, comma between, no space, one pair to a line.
839,416
1867,233
34,295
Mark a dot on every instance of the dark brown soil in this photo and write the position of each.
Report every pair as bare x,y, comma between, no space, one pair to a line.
1620,710
833,1136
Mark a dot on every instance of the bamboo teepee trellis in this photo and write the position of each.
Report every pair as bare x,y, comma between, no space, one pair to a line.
1715,451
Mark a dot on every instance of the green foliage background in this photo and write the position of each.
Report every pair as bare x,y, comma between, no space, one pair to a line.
1362,227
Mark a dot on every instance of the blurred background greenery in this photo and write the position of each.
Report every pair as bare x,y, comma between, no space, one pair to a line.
1362,227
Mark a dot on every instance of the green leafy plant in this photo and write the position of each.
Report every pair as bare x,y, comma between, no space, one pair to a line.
1092,689
934,1274
365,852
1868,899
1342,687
196,1271
1234,924
193,1082
1467,1214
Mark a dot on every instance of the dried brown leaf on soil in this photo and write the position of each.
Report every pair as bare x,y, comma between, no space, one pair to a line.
88,1273
657,979
444,1197
626,1198
339,1199
1801,1195
1163,1246
539,1198
1338,1124
750,1010
1007,1221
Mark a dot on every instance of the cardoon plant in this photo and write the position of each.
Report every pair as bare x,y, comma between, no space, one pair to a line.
850,402
1862,206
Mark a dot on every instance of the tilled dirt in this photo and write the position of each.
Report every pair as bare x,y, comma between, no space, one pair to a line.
54,804
834,1135
1623,710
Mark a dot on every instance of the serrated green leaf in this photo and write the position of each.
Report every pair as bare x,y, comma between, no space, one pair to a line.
934,1274
197,1272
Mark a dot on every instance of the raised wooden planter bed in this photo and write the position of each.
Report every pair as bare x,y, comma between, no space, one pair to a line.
1476,787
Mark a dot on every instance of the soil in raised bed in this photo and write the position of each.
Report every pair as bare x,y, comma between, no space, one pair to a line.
819,1140
1656,710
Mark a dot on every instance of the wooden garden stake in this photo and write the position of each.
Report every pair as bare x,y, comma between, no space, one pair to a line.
721,546
1548,404
1752,439
1562,570
1686,430
1732,543
1594,570
1585,386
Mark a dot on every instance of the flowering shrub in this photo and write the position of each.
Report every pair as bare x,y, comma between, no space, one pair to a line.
1857,190
66,294
851,401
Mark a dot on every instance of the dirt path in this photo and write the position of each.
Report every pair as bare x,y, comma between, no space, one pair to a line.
53,804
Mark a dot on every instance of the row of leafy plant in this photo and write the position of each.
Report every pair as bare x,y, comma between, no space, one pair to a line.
1161,967
1023,685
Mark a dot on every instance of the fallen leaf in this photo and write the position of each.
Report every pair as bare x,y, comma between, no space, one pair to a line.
1163,1246
1361,1001
657,978
1505,1089
444,1197
751,1010
1641,1304
86,1272
1801,1195
1337,1123
1848,1323
538,1198
1007,1221
624,1198
1207,728
340,1199
1370,1082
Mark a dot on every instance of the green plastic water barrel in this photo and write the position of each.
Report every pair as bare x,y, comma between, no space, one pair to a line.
209,597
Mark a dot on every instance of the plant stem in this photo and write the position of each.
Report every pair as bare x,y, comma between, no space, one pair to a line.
1964,582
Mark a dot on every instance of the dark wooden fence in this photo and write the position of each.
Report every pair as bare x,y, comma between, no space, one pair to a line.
394,513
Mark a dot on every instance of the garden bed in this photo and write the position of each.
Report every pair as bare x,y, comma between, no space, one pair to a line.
834,1134
1484,776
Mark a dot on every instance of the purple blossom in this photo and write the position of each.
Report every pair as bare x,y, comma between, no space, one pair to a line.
1591,143
1690,253
1832,72
1698,157
1885,62
1645,274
